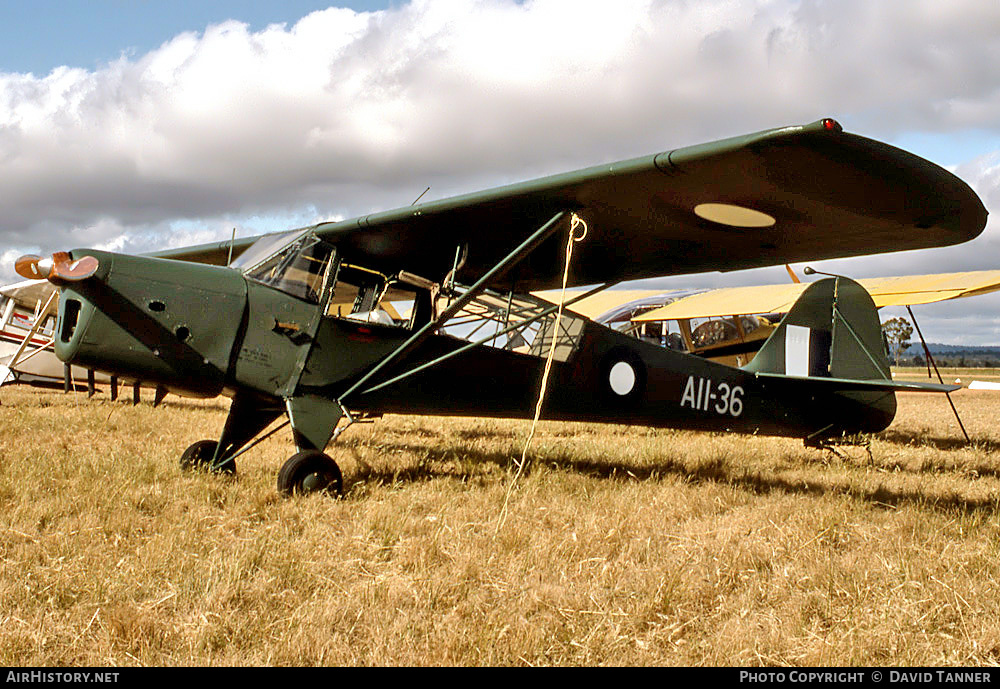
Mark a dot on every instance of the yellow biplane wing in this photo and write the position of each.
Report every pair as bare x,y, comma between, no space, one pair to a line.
926,289
888,291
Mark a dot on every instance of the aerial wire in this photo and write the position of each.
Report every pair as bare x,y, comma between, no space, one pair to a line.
575,222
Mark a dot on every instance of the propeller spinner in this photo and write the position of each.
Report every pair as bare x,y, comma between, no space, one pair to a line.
57,269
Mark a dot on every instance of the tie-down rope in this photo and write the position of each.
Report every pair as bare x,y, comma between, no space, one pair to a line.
575,222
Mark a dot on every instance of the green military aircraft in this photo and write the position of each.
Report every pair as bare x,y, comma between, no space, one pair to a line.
303,324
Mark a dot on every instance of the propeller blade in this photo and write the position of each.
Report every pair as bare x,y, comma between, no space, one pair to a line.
27,267
66,269
56,269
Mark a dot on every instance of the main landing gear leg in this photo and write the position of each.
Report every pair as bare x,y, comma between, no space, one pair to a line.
247,417
310,470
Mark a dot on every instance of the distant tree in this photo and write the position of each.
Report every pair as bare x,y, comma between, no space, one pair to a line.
897,333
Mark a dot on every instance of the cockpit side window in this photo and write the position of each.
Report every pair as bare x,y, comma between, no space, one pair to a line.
366,295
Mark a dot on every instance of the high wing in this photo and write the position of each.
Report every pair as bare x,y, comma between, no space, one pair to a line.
28,292
783,195
890,291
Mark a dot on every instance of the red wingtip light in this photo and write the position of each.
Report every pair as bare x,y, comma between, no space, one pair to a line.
832,125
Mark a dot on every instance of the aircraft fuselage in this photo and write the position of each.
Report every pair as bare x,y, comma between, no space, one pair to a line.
206,330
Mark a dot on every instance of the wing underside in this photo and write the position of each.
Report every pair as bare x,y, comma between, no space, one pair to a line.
788,195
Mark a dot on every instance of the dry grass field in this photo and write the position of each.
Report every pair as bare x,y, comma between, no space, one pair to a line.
622,546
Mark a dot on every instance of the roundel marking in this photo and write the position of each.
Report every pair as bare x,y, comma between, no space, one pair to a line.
622,378
733,215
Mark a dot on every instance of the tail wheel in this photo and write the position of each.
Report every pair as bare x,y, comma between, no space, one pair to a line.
310,471
199,456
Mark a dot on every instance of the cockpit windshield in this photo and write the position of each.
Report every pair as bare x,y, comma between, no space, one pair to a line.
293,262
264,248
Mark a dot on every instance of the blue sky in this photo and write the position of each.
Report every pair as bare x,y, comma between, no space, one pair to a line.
41,35
134,126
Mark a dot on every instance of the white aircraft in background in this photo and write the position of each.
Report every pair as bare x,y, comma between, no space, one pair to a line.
27,324
27,330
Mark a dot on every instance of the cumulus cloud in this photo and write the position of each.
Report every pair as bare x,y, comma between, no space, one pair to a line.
346,112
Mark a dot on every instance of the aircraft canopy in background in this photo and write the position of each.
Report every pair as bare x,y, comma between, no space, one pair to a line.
597,307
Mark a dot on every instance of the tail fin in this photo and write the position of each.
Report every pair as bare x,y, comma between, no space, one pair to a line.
831,342
832,331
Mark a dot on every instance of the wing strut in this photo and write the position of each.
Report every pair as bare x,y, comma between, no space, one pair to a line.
930,361
526,247
517,326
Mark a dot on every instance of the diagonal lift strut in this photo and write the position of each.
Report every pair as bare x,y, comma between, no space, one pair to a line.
526,247
444,357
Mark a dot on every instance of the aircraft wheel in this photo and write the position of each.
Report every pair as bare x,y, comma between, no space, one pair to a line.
310,471
199,456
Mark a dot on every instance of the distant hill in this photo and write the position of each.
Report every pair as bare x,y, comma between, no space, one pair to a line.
953,355
938,348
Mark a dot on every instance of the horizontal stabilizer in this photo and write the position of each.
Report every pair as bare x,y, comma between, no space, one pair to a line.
847,384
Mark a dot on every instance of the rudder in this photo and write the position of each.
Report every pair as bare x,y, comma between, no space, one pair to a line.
832,331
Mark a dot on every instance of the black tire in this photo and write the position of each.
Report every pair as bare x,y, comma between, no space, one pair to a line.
310,471
198,457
